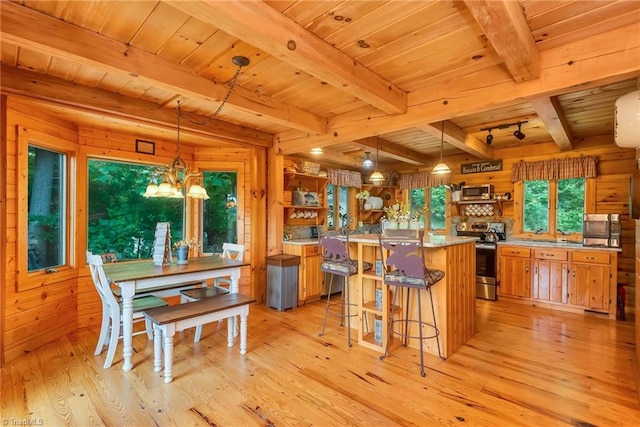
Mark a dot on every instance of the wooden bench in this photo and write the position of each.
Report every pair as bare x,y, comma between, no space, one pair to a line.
166,320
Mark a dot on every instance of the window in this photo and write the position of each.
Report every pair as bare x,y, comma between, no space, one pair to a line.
220,212
45,219
47,210
338,205
563,216
436,218
536,206
437,208
570,205
120,220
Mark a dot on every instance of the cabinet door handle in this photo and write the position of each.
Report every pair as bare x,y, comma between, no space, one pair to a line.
535,270
574,274
591,258
526,269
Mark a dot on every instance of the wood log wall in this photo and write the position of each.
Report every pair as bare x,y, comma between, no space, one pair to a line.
35,317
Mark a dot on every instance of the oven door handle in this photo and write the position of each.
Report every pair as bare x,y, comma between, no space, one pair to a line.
485,246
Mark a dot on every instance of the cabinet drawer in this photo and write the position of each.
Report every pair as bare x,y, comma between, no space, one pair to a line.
592,257
516,251
556,254
311,250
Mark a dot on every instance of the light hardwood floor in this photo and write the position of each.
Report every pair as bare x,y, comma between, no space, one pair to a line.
524,366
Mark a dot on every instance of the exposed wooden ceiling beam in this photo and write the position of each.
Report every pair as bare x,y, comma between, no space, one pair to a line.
58,38
551,114
395,151
583,64
457,137
39,86
262,26
505,25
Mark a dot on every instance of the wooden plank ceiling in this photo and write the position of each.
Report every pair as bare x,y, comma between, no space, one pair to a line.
349,76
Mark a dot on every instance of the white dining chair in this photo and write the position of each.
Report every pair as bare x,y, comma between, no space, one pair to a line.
230,251
110,329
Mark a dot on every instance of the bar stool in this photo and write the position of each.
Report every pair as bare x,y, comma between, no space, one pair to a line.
337,262
406,268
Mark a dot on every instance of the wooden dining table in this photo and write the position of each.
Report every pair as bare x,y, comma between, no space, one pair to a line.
136,276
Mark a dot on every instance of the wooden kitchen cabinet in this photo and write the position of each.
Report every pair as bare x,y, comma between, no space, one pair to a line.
590,280
515,271
568,279
550,275
309,274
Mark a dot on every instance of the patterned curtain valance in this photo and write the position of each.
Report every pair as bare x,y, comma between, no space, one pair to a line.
565,168
344,178
423,180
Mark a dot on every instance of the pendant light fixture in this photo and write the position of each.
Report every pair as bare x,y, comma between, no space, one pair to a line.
376,177
367,163
441,168
177,175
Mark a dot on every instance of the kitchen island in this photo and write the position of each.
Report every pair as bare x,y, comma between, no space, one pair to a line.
454,296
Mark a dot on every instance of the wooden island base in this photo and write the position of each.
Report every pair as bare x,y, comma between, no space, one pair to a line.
454,296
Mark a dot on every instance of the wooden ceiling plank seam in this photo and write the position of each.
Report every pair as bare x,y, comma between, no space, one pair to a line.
260,25
429,35
424,24
547,39
341,16
505,25
161,25
77,44
597,60
550,112
374,22
31,84
124,30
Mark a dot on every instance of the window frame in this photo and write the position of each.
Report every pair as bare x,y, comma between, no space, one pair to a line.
25,279
193,220
427,215
199,211
518,193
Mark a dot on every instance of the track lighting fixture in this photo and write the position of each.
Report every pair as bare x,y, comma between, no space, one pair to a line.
518,133
489,138
367,163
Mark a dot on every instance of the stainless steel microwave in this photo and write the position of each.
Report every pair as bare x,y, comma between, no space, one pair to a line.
477,192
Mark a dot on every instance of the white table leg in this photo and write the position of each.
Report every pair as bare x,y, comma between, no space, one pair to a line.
234,288
128,290
169,331
243,330
230,331
157,348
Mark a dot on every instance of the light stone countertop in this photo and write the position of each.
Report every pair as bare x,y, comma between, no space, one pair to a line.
301,242
430,240
557,245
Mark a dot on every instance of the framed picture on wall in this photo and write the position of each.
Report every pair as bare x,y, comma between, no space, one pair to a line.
145,147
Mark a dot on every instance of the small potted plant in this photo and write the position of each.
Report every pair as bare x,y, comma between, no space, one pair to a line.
182,248
416,214
397,216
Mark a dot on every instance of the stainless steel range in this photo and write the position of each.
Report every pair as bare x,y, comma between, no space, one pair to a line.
486,254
